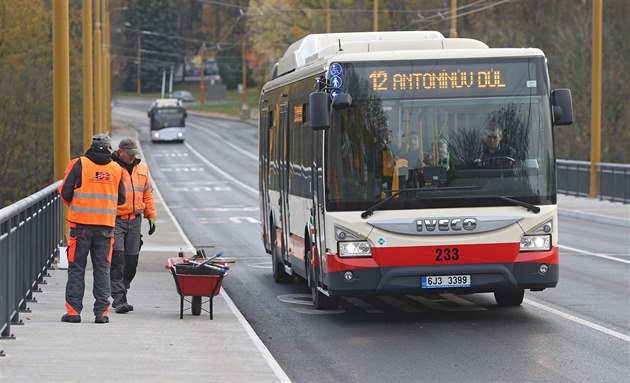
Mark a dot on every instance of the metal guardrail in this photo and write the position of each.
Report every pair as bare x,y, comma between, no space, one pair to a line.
31,231
613,179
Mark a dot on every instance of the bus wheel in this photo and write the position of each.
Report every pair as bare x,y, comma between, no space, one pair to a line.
321,301
279,275
509,297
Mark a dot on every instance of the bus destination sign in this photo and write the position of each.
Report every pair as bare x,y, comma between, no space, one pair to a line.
449,79
458,79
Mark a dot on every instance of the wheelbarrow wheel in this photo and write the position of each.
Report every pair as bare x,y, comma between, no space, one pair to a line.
196,306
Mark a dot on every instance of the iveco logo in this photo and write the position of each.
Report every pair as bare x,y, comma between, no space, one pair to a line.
446,224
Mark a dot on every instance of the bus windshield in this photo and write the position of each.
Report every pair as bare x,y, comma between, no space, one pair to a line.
468,142
168,118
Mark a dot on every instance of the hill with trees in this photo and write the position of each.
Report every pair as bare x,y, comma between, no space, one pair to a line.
173,31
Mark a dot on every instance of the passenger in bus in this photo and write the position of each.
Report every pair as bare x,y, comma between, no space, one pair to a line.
437,167
396,157
440,155
413,155
415,161
495,152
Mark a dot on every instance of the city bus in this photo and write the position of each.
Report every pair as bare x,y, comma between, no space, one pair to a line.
168,120
409,163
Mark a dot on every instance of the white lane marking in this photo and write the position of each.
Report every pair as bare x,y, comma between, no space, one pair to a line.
261,265
595,254
228,208
223,173
306,300
241,219
298,299
180,165
463,302
201,188
577,320
399,304
362,305
238,149
312,311
195,183
435,305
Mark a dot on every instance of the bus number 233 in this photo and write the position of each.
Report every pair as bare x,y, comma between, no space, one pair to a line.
447,254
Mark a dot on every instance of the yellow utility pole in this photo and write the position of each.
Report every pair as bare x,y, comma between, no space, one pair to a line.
61,87
61,92
107,72
596,92
98,68
88,85
375,12
453,19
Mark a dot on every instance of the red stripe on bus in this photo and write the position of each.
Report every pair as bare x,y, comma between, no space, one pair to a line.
296,246
437,255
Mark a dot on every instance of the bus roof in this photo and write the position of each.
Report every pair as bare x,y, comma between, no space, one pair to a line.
316,47
166,103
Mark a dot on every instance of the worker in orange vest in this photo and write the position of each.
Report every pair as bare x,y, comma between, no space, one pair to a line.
128,237
92,188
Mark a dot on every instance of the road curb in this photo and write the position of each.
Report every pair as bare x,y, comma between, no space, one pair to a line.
595,217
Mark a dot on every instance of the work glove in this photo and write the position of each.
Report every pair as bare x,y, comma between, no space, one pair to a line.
152,225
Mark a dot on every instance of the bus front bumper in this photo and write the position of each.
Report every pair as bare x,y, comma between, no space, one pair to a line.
487,277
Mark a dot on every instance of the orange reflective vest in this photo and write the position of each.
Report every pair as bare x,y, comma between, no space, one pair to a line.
139,193
95,202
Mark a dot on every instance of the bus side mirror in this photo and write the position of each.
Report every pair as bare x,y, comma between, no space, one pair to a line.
562,105
318,111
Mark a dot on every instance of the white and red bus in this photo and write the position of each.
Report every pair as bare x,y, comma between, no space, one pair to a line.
410,163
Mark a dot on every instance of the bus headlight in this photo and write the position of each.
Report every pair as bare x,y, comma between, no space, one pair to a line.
536,243
354,249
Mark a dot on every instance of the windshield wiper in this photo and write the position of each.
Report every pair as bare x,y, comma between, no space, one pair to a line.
375,207
535,209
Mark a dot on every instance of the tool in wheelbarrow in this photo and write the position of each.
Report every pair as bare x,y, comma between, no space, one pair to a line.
208,261
197,277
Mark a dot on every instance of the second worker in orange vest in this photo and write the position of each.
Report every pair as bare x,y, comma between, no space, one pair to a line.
128,237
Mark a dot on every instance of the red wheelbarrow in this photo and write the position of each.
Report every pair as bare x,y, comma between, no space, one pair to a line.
197,277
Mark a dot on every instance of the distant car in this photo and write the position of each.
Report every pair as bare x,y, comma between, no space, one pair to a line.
182,95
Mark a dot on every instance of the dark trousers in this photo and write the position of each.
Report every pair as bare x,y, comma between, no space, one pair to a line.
98,243
128,240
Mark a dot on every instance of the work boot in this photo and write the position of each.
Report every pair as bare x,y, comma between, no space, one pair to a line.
123,308
103,319
130,307
71,318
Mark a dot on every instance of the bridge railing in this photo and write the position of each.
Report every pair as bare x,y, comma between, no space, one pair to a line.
574,178
31,231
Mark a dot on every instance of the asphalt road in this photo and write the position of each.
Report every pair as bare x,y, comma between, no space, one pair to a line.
577,332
